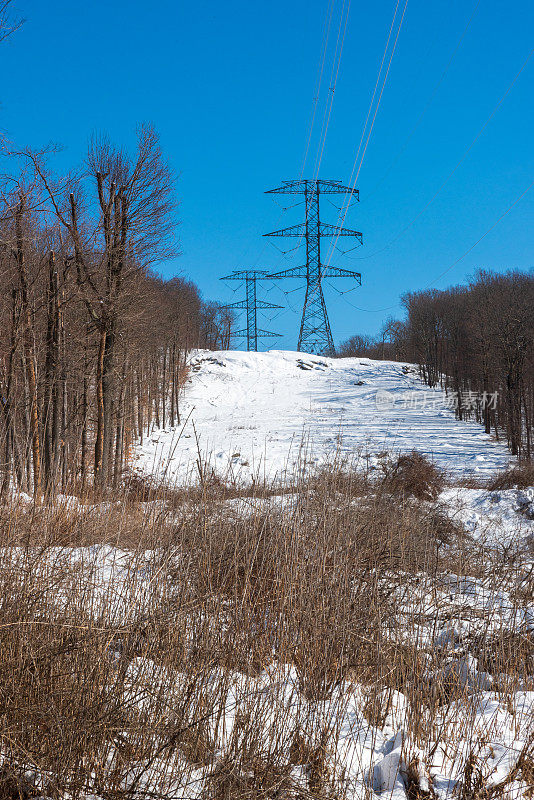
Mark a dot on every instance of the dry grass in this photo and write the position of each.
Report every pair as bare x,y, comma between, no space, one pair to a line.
117,678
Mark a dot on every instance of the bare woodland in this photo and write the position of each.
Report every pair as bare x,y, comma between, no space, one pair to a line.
93,340
475,340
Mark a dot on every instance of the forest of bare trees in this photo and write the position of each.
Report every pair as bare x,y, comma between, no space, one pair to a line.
476,341
387,345
93,343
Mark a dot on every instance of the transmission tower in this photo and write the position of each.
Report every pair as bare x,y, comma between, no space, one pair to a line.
315,334
251,304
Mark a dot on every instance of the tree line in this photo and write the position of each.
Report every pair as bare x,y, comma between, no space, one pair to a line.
92,349
475,340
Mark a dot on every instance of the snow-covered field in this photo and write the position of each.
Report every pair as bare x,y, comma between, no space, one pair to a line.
267,415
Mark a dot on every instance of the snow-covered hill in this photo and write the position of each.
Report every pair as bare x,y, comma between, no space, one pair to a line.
269,414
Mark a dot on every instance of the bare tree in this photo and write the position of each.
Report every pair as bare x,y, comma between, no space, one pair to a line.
119,217
8,23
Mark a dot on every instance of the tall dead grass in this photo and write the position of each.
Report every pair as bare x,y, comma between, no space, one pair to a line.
166,646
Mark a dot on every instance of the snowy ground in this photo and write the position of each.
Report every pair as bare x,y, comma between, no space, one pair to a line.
267,415
493,518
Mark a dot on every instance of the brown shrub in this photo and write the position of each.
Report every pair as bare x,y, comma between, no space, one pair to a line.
413,475
518,477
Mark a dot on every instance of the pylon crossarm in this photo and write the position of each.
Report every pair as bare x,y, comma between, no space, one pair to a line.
336,272
325,229
264,304
243,274
323,186
288,187
251,304
335,187
268,334
315,333
240,304
294,272
294,230
334,230
260,332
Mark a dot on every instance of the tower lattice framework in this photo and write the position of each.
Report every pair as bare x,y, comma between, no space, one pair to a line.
251,304
315,333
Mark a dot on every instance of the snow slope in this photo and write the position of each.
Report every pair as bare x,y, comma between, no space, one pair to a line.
270,414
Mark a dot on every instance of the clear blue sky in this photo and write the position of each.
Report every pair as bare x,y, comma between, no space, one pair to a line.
230,86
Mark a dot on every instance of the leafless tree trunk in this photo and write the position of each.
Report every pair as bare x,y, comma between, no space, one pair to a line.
29,355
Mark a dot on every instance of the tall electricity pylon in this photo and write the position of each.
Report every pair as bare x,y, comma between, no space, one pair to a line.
315,333
251,304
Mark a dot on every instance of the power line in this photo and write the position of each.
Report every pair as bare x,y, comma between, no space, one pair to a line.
342,30
336,64
374,93
457,166
318,86
510,207
428,103
335,70
352,183
454,263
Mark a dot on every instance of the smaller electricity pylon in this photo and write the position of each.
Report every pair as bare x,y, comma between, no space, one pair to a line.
251,304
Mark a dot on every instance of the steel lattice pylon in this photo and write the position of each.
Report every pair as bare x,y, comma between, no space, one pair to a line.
251,304
315,334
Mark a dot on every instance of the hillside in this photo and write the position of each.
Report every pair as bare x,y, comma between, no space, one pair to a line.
266,415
